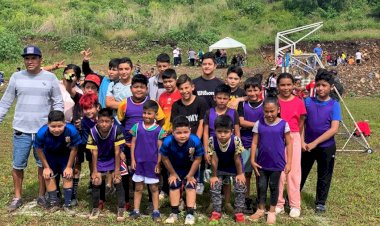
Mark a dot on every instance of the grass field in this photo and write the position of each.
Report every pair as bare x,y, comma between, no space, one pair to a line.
353,196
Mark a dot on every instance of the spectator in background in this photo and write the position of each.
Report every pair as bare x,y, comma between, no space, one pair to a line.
318,50
358,57
1,78
286,62
191,53
200,57
176,56
223,57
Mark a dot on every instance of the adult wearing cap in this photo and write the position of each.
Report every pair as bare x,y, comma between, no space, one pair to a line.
36,92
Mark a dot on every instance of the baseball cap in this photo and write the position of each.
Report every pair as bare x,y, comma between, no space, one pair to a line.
92,78
32,50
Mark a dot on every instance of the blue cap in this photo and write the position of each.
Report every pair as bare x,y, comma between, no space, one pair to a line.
31,50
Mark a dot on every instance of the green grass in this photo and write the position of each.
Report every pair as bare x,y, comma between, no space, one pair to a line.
352,200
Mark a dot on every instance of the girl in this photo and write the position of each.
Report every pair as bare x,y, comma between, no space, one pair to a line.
271,134
293,112
322,123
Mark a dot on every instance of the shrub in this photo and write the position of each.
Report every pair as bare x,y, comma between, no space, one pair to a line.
10,46
73,44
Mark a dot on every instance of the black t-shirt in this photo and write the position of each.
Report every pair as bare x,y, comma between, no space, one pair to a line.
239,92
206,88
193,112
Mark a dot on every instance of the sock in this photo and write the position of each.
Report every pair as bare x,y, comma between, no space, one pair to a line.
125,181
190,210
68,192
175,209
120,195
95,196
53,198
75,188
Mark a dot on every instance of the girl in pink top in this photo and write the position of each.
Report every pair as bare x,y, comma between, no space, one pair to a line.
293,111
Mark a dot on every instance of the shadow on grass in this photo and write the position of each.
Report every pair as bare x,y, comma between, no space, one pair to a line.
308,199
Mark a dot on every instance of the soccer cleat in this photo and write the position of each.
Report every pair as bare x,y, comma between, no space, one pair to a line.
15,204
156,216
134,214
190,219
173,218
41,201
239,218
215,216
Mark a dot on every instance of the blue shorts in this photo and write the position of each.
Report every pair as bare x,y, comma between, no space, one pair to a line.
22,144
246,156
57,163
82,154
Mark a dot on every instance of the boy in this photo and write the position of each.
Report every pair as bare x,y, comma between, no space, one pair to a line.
234,74
321,124
156,85
56,144
166,101
205,84
222,96
249,112
104,142
146,160
119,90
181,154
130,112
167,98
224,149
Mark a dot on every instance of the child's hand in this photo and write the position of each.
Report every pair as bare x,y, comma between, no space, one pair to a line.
240,178
213,181
47,173
191,180
311,146
256,167
96,178
86,54
157,168
68,173
133,164
287,168
123,157
173,179
117,176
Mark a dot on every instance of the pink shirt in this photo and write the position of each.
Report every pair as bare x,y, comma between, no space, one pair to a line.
291,112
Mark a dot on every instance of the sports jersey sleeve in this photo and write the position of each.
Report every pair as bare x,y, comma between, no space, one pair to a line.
75,137
133,130
206,117
165,147
121,110
91,143
84,133
161,134
119,140
238,145
287,128
39,140
160,114
336,112
210,145
255,128
199,150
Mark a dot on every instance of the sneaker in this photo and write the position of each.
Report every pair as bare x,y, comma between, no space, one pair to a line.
74,202
15,204
41,201
162,195
215,216
173,218
271,218
239,218
94,214
53,207
294,212
69,211
156,216
134,214
228,208
319,208
190,219
120,214
256,216
127,206
200,188
181,206
149,208
101,205
279,210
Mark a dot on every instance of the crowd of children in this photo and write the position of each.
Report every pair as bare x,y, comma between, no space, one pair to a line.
164,132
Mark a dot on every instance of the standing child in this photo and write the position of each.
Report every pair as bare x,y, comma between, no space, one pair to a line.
271,136
322,123
181,154
56,144
224,148
222,96
104,142
249,112
146,160
156,84
293,111
234,74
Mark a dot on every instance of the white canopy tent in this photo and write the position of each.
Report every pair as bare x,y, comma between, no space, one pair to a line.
227,43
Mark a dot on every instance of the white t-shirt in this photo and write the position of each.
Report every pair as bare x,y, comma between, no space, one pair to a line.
272,82
175,53
358,55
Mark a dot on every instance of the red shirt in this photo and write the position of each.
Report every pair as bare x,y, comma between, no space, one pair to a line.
166,101
291,111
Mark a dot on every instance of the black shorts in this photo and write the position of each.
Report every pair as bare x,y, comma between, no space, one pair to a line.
83,154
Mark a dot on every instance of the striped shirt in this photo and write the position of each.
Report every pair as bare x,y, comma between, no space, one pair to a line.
36,96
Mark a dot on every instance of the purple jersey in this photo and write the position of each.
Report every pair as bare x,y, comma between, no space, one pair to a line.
226,159
271,145
253,115
212,116
133,114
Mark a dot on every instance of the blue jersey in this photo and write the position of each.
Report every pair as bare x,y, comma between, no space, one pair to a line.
182,157
57,145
